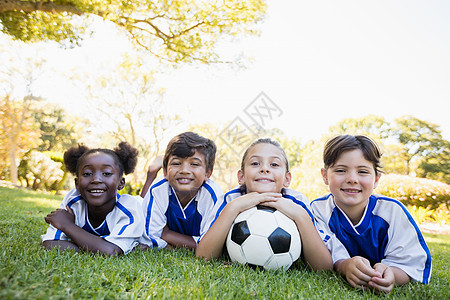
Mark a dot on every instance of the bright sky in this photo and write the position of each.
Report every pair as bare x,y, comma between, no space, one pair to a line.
319,62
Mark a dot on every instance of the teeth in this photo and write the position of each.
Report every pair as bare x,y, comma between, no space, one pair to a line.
96,191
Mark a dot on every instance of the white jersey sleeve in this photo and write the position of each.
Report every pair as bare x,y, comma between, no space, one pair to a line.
126,223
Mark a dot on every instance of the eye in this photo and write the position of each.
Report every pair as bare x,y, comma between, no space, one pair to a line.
275,164
175,163
364,172
86,174
254,163
339,170
107,174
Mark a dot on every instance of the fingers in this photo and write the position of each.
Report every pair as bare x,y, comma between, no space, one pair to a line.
69,210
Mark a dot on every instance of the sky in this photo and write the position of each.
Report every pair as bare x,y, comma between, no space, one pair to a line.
316,63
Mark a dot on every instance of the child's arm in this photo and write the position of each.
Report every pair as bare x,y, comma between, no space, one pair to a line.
152,171
212,243
177,239
60,244
315,252
64,220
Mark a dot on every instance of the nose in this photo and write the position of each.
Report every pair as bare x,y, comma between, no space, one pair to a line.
352,177
264,168
97,177
184,167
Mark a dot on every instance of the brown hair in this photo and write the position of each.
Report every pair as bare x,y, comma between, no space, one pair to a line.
185,144
265,141
334,147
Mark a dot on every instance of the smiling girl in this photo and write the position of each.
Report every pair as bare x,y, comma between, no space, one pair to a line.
93,217
264,177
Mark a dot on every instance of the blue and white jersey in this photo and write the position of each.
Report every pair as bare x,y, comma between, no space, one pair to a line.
123,226
386,233
161,207
293,195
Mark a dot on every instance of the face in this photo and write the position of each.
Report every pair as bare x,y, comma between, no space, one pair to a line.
264,170
351,180
98,180
186,175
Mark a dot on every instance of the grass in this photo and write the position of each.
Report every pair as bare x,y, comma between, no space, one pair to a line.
29,271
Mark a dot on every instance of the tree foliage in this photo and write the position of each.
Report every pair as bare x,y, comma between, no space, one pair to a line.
172,30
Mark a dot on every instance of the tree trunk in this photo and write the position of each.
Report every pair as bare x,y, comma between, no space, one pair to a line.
12,160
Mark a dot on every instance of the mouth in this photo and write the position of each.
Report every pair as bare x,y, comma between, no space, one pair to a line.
264,180
351,191
184,180
96,191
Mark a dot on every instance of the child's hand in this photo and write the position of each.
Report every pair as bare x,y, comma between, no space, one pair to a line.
288,207
250,200
357,271
155,165
60,218
386,282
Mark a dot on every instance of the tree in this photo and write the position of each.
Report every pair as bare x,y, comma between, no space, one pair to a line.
126,103
18,132
58,132
172,30
420,140
374,126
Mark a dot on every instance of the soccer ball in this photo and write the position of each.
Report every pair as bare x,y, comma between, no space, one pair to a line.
265,237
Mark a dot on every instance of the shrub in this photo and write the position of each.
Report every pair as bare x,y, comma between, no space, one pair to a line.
39,171
413,191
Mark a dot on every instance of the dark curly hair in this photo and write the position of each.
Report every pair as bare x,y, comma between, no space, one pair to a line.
124,155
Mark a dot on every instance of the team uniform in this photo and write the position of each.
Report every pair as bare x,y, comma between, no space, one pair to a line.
293,195
386,233
161,207
123,226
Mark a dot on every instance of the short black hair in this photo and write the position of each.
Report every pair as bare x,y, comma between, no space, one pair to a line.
184,145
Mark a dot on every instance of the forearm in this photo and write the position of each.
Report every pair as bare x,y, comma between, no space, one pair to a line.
148,182
212,243
315,253
178,240
60,244
401,277
89,242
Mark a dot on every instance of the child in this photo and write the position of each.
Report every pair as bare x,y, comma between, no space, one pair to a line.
264,177
93,217
180,207
378,243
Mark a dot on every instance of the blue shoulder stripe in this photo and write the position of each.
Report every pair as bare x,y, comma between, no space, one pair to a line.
302,205
211,191
320,199
129,215
74,200
149,211
427,270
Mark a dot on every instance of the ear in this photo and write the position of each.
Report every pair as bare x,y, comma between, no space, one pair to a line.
165,174
240,176
324,175
76,183
121,183
208,174
287,179
377,178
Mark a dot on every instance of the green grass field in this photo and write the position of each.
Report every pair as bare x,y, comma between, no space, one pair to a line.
28,271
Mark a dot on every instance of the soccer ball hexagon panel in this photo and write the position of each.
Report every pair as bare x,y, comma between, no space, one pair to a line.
264,237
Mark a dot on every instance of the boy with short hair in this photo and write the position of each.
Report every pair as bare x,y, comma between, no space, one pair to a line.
180,207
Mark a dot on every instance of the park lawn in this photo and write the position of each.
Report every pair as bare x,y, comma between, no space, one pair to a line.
29,271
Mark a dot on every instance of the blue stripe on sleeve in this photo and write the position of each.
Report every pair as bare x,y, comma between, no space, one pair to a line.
129,215
427,269
149,211
302,205
211,191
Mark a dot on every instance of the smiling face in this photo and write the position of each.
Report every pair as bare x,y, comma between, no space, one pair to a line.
264,169
99,178
186,175
351,179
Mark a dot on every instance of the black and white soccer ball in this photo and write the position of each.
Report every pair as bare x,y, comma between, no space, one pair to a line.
263,236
